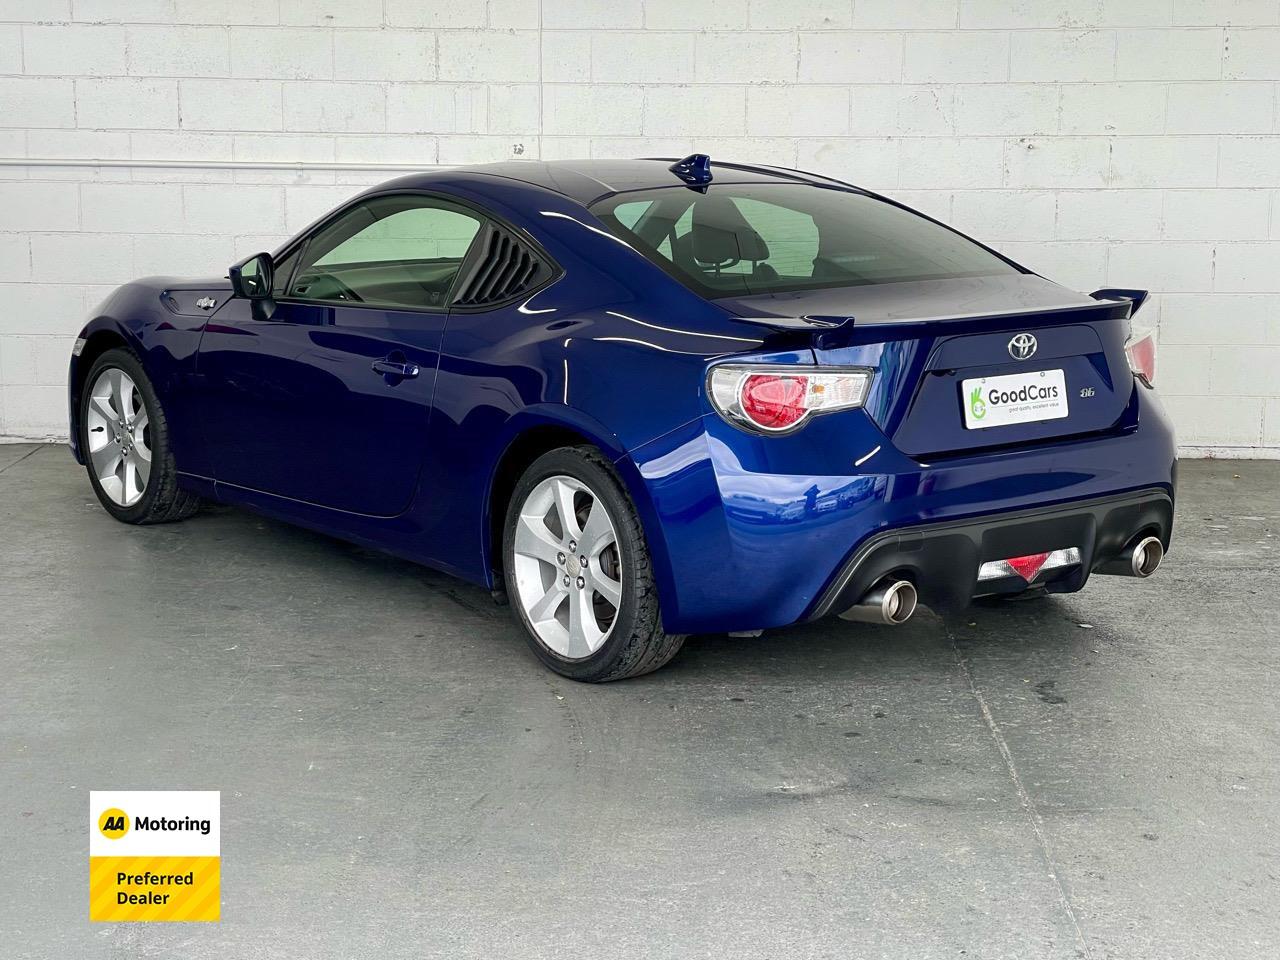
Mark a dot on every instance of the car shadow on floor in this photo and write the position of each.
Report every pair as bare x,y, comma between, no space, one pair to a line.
925,642
830,646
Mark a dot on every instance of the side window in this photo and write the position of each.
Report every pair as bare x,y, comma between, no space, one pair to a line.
393,251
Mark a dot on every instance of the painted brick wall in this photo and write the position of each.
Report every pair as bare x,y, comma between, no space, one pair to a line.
1101,142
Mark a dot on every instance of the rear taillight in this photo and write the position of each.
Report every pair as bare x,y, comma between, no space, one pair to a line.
779,399
1141,351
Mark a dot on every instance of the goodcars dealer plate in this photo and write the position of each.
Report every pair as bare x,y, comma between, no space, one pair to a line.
1017,398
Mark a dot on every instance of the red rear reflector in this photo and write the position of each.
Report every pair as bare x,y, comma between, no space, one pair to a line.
1027,567
1030,567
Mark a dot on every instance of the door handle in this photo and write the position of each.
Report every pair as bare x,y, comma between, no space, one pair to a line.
396,368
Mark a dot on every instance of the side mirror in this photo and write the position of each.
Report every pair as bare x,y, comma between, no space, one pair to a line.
252,277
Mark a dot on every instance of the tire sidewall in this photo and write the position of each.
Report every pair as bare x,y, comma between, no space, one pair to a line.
126,361
572,462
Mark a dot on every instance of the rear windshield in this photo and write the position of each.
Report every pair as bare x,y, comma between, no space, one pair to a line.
742,239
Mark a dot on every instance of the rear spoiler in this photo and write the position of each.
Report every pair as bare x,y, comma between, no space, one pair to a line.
829,331
1136,297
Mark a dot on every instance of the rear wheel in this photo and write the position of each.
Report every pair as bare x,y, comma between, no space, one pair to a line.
578,571
125,439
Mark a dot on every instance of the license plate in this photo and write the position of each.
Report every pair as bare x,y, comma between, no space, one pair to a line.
1016,398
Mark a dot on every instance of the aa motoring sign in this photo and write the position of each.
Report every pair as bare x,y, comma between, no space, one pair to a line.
154,855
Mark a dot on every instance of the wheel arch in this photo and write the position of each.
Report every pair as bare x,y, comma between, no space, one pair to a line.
534,433
98,339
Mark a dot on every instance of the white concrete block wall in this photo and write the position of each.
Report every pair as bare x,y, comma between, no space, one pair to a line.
1101,142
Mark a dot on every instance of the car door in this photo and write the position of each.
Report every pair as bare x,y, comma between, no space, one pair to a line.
324,395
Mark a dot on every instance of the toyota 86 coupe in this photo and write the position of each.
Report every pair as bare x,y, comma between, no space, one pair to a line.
641,399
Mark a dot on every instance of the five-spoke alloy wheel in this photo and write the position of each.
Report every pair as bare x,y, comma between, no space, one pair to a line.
124,440
116,438
577,570
567,569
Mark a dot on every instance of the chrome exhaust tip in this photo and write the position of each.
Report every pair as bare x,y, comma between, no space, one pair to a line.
1146,557
1140,560
890,601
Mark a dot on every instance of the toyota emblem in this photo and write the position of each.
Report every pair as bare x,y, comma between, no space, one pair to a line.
1022,346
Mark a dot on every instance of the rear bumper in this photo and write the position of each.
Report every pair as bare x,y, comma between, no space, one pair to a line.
942,559
751,532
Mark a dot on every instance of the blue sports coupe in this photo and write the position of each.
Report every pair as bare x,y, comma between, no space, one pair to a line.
642,399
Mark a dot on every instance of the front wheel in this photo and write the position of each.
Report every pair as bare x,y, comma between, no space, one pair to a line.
578,571
125,439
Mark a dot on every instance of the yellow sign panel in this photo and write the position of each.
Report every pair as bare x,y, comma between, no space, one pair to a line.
154,855
155,888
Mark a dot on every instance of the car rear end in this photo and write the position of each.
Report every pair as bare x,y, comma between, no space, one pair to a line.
1040,455
819,517
925,421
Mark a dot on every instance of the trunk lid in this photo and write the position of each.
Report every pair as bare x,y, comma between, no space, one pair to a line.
968,364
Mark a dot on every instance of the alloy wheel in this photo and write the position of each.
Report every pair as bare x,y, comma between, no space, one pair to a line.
568,569
118,436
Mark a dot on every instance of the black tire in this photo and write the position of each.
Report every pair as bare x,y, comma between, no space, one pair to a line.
636,644
162,499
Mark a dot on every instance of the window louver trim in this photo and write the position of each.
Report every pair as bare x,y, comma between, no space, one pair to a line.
504,268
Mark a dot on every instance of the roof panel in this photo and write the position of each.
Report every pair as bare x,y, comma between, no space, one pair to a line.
586,180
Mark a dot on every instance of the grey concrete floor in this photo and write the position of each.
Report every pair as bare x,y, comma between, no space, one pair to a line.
1089,776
